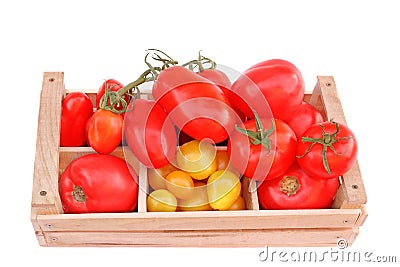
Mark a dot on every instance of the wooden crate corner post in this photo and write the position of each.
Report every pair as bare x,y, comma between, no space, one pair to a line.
45,197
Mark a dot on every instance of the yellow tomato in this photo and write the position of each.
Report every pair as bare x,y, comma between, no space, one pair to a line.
157,176
161,200
239,204
197,158
223,188
180,184
198,201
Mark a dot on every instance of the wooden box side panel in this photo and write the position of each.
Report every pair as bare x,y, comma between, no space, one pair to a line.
351,193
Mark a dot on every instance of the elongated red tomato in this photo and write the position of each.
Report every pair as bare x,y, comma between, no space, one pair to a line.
327,150
195,105
76,110
150,134
105,131
305,116
280,85
98,183
266,152
223,82
276,62
297,190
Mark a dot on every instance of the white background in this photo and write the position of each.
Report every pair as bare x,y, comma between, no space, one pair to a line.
355,41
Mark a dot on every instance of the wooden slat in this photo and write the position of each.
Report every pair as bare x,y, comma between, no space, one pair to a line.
223,238
205,220
45,198
351,193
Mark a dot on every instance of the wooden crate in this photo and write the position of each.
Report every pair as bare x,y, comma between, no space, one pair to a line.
247,228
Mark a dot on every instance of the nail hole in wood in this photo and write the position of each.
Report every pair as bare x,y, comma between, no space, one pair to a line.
345,221
54,239
354,186
43,193
328,84
51,80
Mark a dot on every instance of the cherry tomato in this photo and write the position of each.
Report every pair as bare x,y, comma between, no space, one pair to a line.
180,184
114,86
105,131
156,177
198,200
327,150
98,183
161,200
305,116
76,111
197,158
239,204
223,188
269,154
297,190
150,134
196,106
279,85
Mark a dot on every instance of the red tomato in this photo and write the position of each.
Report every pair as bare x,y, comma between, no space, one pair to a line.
98,183
252,157
327,150
278,85
114,86
196,105
150,134
296,190
105,131
305,116
223,82
276,62
76,110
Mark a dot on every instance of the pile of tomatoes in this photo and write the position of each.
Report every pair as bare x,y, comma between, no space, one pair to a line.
272,136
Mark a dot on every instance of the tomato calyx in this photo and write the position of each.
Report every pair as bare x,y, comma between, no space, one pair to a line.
289,185
258,137
78,194
327,140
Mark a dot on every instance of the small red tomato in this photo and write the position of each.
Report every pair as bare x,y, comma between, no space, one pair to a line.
114,86
305,116
76,110
297,190
98,183
327,150
105,131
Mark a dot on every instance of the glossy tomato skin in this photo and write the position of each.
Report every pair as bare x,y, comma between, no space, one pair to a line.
76,110
280,86
150,134
223,82
196,106
304,117
107,182
254,161
276,62
105,131
311,193
339,163
112,84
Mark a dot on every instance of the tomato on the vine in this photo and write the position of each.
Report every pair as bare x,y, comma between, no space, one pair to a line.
150,134
114,86
264,149
196,105
98,183
297,190
105,131
75,112
327,150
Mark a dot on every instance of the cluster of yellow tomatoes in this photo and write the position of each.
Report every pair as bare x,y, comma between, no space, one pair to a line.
200,179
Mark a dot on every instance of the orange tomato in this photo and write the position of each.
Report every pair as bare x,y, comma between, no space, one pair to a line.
180,184
157,176
239,204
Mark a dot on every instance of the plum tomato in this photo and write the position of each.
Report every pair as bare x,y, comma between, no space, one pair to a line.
223,189
161,200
